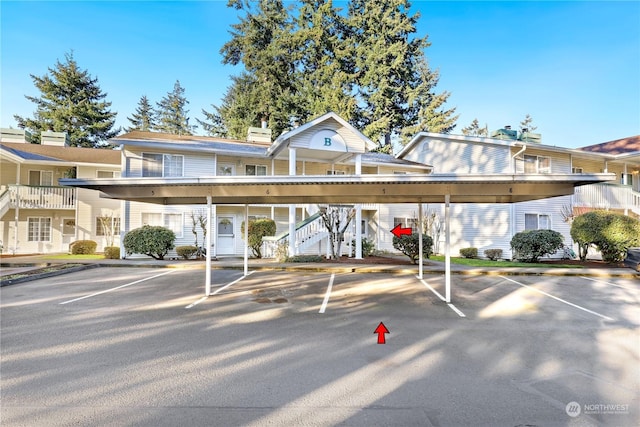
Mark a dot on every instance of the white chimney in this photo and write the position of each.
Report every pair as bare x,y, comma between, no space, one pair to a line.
59,139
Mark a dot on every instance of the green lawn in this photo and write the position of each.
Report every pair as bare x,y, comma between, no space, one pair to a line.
74,257
474,262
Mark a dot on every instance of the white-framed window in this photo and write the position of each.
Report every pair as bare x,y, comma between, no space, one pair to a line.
533,164
38,229
334,172
405,222
226,169
576,170
107,174
41,178
259,170
172,221
112,222
159,165
69,227
534,221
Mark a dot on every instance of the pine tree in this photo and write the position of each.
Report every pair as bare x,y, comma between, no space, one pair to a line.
144,117
474,129
262,42
71,101
526,124
171,114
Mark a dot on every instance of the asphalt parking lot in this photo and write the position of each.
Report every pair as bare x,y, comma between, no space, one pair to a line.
141,346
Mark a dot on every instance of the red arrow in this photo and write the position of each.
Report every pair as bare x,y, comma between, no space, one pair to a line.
381,330
399,231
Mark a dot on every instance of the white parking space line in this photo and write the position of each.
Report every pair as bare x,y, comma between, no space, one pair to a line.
219,290
451,306
558,299
118,287
608,283
327,294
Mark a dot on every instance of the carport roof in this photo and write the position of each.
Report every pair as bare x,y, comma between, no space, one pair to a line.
285,189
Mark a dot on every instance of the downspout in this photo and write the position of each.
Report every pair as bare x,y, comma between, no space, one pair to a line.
513,205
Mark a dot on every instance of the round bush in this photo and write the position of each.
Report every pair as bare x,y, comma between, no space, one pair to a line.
154,241
112,252
530,245
83,247
408,244
469,252
610,232
258,229
186,252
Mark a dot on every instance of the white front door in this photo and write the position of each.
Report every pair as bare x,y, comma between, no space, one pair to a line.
68,232
226,243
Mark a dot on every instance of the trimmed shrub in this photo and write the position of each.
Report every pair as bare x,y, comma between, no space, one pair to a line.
530,245
257,230
83,247
186,252
493,254
112,252
305,258
368,247
408,244
610,232
469,252
154,241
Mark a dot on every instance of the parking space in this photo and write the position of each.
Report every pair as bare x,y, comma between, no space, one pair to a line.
141,346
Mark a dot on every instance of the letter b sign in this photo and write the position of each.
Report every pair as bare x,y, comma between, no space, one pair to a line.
327,142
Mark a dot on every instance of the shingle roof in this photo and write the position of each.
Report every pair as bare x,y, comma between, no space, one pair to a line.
630,144
62,154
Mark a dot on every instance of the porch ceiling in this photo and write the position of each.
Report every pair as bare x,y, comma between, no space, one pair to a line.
413,188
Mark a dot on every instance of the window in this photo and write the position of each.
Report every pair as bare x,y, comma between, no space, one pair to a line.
174,223
576,170
39,229
411,223
41,178
226,170
110,222
69,227
533,164
537,222
255,170
158,165
171,221
107,174
335,172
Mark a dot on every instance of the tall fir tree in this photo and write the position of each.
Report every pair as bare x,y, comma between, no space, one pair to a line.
144,117
172,117
474,129
71,101
262,42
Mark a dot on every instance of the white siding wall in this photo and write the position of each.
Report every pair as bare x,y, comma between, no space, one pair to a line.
447,156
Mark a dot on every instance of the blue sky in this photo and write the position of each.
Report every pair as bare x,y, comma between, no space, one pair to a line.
573,66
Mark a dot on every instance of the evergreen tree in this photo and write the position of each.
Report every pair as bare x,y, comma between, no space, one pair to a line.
326,80
171,114
474,129
526,124
71,101
144,117
262,42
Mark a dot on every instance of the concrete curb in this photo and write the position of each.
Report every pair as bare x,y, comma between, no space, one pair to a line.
30,277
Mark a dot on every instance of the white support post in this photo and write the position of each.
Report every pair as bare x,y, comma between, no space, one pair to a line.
207,276
420,257
292,230
447,249
246,239
214,239
358,231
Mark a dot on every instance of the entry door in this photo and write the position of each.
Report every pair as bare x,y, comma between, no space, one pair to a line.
226,237
68,232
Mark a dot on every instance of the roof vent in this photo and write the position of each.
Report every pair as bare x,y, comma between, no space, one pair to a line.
60,139
505,133
15,135
259,135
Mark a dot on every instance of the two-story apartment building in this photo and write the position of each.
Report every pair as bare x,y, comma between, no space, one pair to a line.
39,216
492,226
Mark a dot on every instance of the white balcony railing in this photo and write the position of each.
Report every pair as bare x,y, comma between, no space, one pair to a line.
28,197
607,196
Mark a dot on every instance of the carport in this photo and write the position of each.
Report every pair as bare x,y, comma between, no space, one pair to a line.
341,189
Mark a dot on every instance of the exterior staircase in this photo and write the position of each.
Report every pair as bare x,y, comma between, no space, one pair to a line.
308,233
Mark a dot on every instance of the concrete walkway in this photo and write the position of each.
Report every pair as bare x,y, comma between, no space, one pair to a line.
16,265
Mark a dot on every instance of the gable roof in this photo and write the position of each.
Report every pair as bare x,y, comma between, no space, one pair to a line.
53,153
627,145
